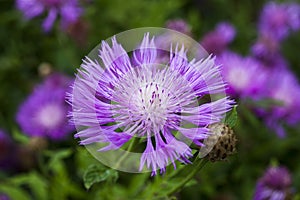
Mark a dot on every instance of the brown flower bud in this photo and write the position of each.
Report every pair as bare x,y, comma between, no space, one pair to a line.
220,144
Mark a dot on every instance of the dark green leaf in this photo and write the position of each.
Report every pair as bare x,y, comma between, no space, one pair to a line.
35,182
231,117
15,193
97,173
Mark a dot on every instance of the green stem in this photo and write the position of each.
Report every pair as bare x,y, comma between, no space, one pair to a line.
129,149
197,166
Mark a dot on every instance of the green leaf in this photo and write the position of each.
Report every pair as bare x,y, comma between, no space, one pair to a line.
231,117
35,182
15,193
56,159
19,137
267,103
97,173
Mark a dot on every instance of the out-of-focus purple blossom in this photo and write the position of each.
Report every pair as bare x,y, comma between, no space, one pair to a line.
7,152
244,75
68,10
179,25
284,88
217,40
44,112
267,51
268,58
278,19
4,197
266,48
150,101
275,184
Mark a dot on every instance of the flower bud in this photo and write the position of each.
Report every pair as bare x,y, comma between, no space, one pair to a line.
220,144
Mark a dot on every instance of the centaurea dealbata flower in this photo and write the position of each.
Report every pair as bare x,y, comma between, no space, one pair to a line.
115,100
43,113
68,10
274,184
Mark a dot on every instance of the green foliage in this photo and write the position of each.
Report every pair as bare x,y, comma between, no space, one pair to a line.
98,173
231,117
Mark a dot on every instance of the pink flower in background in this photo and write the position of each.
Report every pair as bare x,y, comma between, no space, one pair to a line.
217,40
68,10
44,112
4,197
244,75
279,19
284,88
275,184
266,49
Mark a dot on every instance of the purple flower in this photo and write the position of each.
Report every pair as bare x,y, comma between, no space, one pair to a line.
245,76
277,20
44,112
179,25
274,185
4,197
116,101
287,93
266,49
68,10
217,40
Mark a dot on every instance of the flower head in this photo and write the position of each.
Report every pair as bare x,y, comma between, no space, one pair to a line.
275,184
115,100
68,10
277,20
44,112
245,76
287,93
217,40
266,48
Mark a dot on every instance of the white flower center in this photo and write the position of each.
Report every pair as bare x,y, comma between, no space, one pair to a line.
147,99
50,116
238,77
152,101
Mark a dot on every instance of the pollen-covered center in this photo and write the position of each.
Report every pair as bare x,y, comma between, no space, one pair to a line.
150,99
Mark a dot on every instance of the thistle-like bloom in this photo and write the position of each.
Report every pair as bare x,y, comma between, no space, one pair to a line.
266,49
275,184
44,112
240,72
217,40
287,93
115,101
278,19
68,10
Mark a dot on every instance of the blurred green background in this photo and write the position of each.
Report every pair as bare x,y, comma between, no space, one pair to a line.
57,172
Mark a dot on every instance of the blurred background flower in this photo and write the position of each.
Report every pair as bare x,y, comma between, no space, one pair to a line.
274,184
44,112
68,10
216,41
